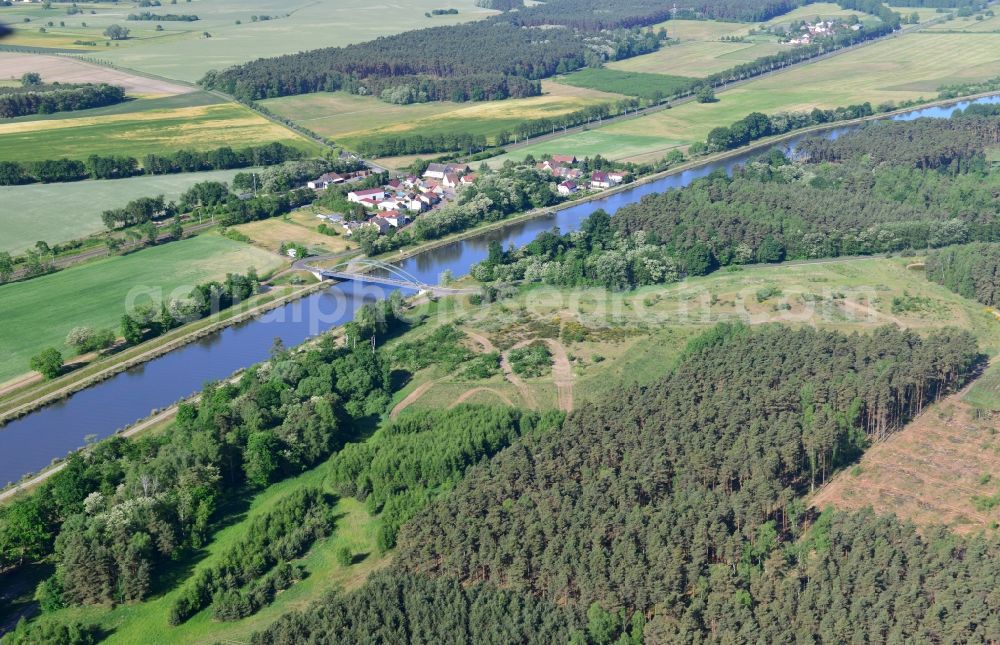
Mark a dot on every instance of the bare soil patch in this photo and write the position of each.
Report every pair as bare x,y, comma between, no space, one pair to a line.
931,472
71,70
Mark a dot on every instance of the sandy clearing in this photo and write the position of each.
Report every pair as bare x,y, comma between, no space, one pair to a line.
71,70
928,472
562,372
508,371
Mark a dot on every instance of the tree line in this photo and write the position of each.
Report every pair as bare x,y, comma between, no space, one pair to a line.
469,143
56,98
971,270
818,47
162,17
14,173
279,179
150,320
757,125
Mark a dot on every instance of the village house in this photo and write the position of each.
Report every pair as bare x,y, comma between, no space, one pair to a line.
438,170
429,200
389,204
567,187
371,194
468,180
381,223
327,180
599,179
564,160
617,176
450,180
562,172
414,204
396,220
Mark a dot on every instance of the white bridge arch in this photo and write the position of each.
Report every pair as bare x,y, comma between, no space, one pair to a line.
374,272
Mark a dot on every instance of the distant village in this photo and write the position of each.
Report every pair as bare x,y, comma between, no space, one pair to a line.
400,201
809,32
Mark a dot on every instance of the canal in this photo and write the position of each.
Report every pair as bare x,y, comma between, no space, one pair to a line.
30,443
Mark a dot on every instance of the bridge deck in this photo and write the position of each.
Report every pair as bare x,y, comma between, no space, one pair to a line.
367,277
393,282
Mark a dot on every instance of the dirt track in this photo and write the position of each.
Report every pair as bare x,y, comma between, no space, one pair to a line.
411,398
468,394
71,70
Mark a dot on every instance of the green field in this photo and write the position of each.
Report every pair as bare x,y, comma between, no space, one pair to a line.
85,26
809,12
628,83
903,68
985,393
146,622
137,134
350,119
968,24
684,30
590,143
699,51
182,51
697,58
131,106
62,212
39,313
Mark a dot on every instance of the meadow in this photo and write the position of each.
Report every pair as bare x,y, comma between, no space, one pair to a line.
349,119
300,227
616,81
969,24
904,68
985,393
52,28
635,337
199,127
38,313
62,212
809,12
183,51
697,58
699,51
